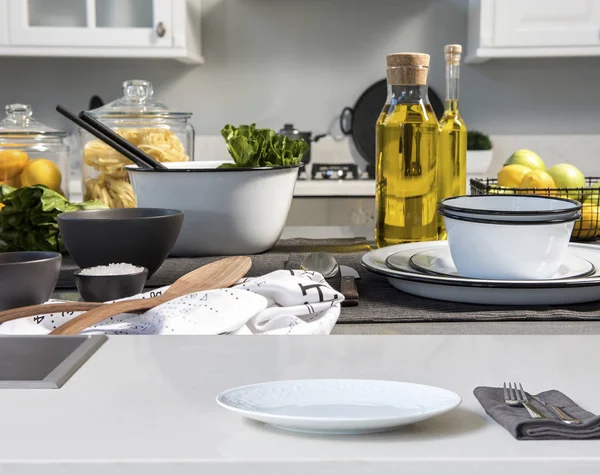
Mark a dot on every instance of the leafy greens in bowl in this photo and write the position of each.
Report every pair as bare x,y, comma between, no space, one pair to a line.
258,148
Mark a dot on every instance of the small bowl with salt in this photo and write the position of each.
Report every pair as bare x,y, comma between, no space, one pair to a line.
111,282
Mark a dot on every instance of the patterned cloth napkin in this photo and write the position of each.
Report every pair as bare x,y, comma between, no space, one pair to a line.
284,302
521,426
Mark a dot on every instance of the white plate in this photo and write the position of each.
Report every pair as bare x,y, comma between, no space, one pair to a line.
487,292
439,262
338,406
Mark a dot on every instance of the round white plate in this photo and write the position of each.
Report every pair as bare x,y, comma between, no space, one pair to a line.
487,292
439,262
338,406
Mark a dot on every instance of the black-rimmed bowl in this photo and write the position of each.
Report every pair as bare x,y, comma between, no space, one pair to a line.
510,208
27,278
228,211
483,248
104,288
143,237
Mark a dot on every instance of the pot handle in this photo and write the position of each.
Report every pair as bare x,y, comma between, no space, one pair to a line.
345,117
316,138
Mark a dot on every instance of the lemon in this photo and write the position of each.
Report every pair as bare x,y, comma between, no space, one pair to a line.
537,182
588,227
42,172
592,195
511,175
12,163
526,158
567,176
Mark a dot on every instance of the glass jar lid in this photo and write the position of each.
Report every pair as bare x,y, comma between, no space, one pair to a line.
19,122
137,101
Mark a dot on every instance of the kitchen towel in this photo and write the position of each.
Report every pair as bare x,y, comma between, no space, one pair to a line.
283,302
518,422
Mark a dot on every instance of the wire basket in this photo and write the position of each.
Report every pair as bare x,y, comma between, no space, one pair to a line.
586,229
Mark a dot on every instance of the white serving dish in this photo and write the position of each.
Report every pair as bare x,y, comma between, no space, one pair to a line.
485,291
226,211
522,250
338,406
438,261
510,207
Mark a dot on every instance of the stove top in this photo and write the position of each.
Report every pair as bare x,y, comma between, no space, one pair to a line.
335,171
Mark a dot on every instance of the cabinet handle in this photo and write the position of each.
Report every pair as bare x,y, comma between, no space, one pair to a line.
160,29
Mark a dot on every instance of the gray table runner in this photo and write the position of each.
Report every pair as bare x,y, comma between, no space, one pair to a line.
379,302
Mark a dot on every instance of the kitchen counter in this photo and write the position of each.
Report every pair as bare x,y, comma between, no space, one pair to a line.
334,188
145,405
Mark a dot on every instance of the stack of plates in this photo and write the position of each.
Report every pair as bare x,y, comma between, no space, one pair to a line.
426,269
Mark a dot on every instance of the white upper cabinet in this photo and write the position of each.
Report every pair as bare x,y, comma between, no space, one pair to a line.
533,28
100,28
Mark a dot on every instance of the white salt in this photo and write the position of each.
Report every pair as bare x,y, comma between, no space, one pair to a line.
112,269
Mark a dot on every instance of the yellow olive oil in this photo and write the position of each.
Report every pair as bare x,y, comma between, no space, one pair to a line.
406,193
452,152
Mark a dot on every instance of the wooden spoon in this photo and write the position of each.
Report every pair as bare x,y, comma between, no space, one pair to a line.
216,275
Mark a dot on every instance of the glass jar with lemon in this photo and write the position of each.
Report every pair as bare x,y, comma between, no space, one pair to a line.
159,131
32,153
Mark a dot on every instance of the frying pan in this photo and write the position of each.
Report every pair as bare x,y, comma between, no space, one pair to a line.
361,120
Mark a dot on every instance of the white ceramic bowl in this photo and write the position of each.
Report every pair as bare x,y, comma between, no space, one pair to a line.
523,250
510,207
226,211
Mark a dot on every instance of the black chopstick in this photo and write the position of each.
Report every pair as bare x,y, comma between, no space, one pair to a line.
115,141
96,124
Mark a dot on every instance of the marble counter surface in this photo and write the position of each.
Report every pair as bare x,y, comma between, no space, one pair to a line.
146,405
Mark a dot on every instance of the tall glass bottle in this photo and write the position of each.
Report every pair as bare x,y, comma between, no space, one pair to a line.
407,135
452,152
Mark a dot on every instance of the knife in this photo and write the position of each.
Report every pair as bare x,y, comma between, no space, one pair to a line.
558,412
348,286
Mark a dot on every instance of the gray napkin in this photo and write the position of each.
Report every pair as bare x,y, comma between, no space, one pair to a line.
517,421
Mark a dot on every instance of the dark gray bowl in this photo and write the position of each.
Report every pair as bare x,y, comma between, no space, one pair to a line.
102,288
27,278
143,237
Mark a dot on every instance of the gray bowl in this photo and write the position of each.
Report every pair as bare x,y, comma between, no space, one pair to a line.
143,237
27,278
102,288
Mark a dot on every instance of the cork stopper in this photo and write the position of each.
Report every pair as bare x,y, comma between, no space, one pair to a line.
407,69
453,54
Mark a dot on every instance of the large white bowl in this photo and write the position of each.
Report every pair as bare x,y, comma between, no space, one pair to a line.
510,207
521,250
226,211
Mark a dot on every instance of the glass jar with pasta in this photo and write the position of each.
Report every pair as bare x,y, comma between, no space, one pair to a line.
161,132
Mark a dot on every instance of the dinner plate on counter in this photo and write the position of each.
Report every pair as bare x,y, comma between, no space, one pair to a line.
338,406
439,261
484,291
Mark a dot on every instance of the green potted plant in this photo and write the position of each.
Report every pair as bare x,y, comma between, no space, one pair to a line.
479,153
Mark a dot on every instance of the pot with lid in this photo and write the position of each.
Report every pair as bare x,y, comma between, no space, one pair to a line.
289,131
161,132
32,153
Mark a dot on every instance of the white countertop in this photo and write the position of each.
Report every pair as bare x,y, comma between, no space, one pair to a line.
145,405
335,188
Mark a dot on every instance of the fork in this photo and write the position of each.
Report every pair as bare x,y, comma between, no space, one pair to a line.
516,396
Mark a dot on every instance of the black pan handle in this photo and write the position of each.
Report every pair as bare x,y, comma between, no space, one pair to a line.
346,117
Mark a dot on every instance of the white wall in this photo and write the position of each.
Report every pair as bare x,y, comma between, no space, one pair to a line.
276,61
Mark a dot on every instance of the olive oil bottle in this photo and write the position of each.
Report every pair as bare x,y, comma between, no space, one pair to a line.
452,152
406,147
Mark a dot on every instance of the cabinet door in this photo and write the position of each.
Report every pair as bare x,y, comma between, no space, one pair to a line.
90,23
546,23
